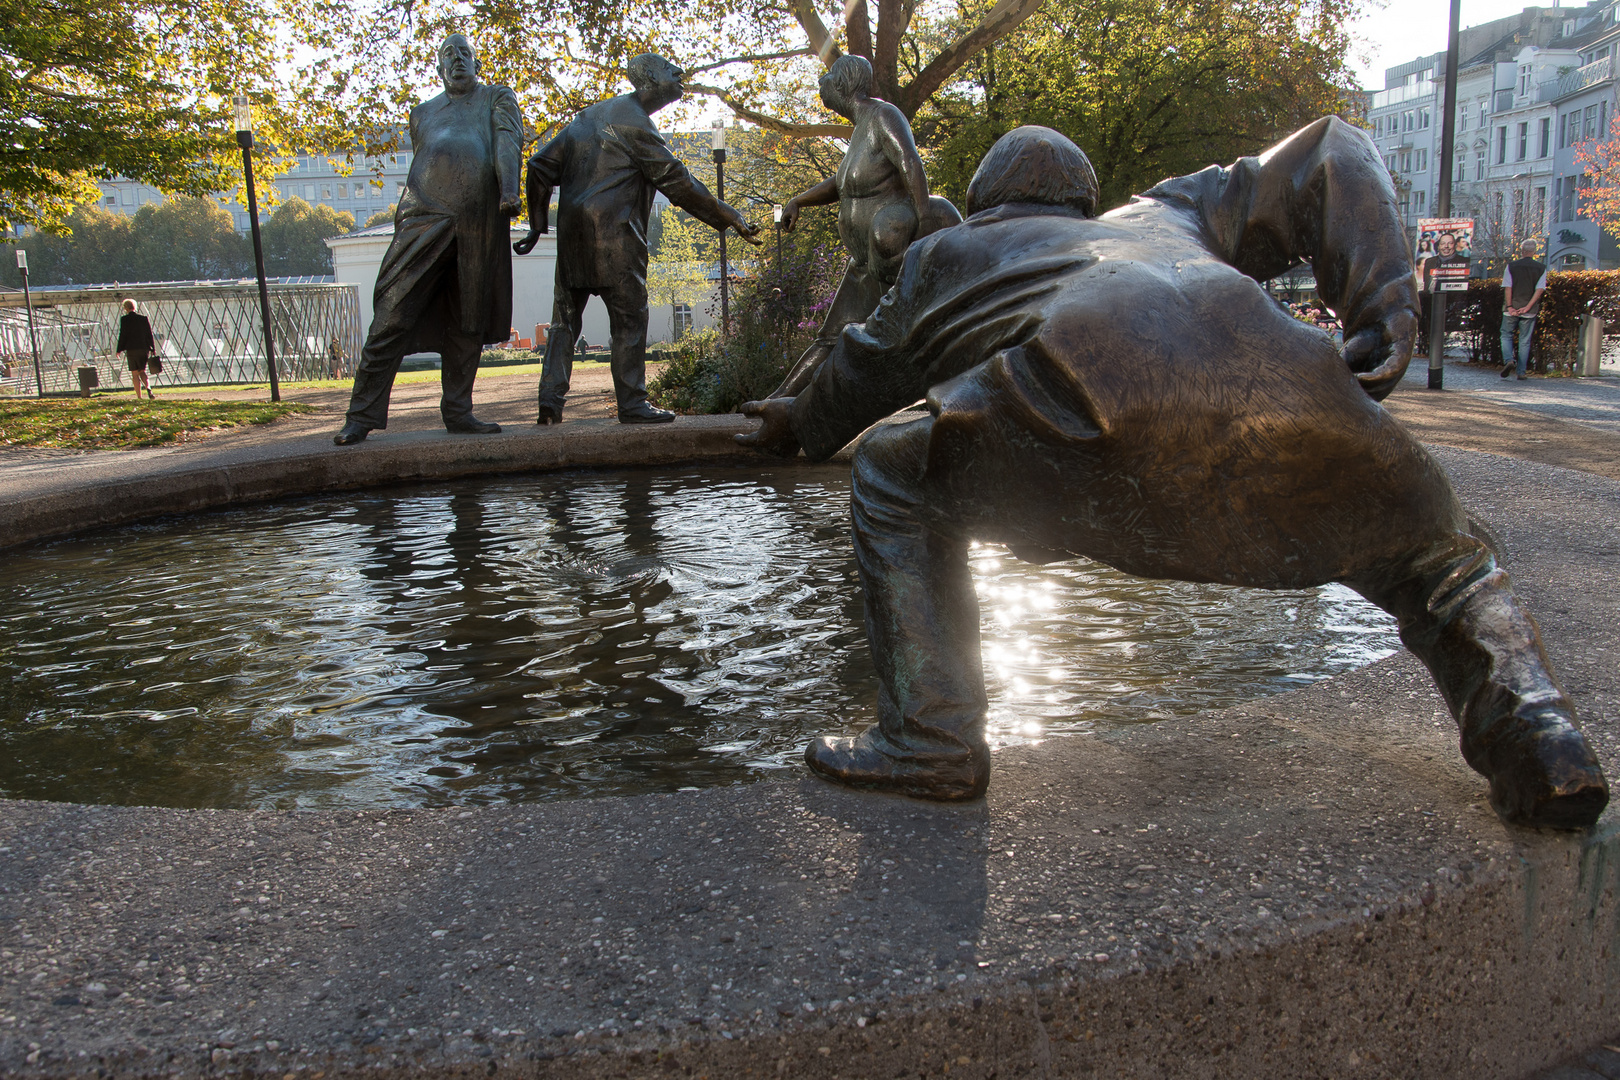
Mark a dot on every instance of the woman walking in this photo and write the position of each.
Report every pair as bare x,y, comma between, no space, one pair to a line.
135,341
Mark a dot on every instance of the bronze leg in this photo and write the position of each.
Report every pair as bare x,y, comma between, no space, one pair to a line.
922,624
557,366
1458,614
858,293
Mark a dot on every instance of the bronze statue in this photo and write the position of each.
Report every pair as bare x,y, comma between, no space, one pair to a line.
883,205
1120,387
445,284
609,160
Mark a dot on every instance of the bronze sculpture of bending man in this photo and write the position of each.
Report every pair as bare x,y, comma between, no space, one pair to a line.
445,284
609,161
883,205
1122,388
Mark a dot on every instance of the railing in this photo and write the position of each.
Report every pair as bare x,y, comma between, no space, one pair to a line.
1399,95
1574,81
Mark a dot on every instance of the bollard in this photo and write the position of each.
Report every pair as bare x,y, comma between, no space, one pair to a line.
1589,347
89,379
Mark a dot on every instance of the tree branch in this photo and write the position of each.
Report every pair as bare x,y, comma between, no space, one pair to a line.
772,123
858,28
821,42
806,51
1002,20
894,16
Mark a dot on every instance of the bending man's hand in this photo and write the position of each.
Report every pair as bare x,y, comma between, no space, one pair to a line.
775,434
526,245
1379,354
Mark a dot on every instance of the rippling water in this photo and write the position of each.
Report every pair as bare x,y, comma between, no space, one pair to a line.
559,635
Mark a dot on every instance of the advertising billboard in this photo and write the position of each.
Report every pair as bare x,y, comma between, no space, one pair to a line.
1444,248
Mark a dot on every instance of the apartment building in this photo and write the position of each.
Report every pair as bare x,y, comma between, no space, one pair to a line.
1529,87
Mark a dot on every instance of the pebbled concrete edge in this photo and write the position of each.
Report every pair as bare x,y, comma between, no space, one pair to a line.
188,483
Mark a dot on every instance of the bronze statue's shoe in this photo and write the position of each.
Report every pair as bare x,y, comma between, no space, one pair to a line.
1545,776
351,434
645,414
472,426
550,414
866,762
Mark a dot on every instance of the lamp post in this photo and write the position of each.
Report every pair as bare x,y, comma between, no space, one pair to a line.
776,216
244,139
717,141
1448,131
28,302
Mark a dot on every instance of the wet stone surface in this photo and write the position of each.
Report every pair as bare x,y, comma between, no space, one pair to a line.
1312,876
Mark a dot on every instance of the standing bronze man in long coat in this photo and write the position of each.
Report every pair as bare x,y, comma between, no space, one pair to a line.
609,161
1121,387
445,285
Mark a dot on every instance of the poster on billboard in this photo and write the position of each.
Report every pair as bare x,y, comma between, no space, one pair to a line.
1444,248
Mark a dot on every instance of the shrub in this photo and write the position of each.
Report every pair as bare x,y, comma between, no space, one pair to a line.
774,315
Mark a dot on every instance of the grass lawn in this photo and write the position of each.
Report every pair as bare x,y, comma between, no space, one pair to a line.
404,378
120,423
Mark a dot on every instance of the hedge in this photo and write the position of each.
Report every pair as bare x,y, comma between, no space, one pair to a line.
1477,316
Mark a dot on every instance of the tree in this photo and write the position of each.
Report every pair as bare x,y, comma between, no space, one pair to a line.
1599,161
182,240
295,238
1148,88
381,217
678,271
95,88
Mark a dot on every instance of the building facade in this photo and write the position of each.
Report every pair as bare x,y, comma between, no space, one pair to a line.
1530,87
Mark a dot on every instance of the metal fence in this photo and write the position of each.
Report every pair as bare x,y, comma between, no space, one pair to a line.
208,332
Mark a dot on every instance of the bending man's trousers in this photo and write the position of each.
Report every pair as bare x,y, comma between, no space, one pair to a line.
417,281
627,324
913,520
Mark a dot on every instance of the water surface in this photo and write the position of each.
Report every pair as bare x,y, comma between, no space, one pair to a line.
560,635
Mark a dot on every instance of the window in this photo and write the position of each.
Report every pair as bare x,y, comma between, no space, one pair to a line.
1422,161
1501,145
326,191
1500,219
1545,142
343,191
1484,117
1518,212
1462,169
1423,118
1407,121
1589,123
112,200
127,197
1603,119
1479,164
1462,116
683,320
1422,201
1524,79
309,191
1524,142
1540,209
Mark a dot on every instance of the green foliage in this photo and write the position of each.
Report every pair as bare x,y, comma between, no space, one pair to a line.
295,238
1148,88
96,89
381,217
183,239
774,315
678,271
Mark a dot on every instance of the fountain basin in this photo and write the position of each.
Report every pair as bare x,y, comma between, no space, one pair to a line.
1430,940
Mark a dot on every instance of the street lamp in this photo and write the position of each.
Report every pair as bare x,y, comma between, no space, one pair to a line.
28,302
717,141
244,139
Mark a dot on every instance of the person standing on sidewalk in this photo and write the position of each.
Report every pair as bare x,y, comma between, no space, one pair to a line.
1523,282
136,342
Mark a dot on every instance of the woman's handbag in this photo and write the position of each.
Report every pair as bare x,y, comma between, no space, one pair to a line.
154,365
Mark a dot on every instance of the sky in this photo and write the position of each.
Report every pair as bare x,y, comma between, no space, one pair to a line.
1392,32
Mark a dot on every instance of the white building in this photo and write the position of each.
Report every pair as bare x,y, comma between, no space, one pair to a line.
357,257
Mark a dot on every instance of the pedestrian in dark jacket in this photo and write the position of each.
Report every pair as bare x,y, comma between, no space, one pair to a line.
136,342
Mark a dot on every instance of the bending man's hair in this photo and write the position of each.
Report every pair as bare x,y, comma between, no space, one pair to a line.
1034,164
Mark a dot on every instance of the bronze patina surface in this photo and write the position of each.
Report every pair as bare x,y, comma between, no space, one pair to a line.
1122,388
609,161
883,205
445,284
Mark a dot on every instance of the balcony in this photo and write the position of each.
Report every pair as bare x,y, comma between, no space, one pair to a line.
1399,95
1579,79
